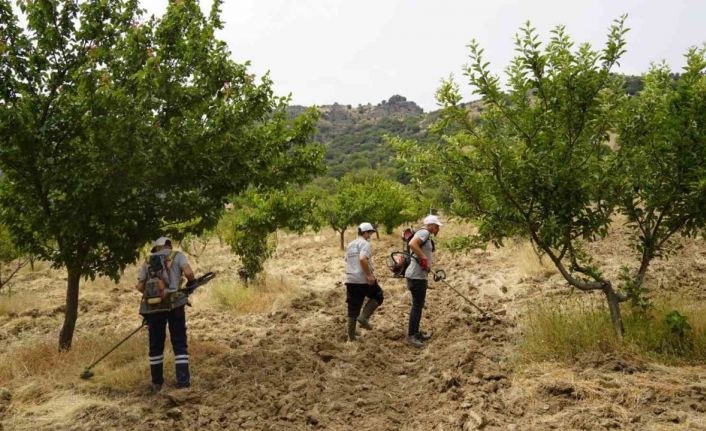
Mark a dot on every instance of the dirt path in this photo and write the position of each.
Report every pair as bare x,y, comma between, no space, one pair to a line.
292,369
300,374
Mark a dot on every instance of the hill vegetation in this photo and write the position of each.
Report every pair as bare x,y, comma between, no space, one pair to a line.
354,136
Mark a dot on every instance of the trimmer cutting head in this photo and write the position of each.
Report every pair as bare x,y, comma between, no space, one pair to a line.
86,374
439,275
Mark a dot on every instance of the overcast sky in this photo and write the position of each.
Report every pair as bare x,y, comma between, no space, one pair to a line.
364,51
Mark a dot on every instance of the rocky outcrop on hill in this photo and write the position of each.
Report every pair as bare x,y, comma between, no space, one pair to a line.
354,136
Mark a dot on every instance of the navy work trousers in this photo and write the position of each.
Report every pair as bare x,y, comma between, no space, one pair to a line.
157,324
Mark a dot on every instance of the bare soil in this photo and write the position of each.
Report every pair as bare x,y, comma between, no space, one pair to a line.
290,368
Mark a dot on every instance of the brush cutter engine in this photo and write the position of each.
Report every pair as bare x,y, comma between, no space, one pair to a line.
398,263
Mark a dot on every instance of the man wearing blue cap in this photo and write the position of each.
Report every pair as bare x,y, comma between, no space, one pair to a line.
360,281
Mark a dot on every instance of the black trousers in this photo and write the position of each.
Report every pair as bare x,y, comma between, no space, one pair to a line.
418,289
157,325
356,294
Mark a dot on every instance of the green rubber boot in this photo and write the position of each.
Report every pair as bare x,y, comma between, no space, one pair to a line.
351,329
368,311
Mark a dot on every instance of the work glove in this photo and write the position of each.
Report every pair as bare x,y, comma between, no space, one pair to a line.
424,263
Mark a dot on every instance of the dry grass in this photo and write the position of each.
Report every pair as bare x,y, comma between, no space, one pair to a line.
451,228
127,369
530,263
124,370
562,330
267,294
41,359
693,309
48,393
59,410
15,303
39,266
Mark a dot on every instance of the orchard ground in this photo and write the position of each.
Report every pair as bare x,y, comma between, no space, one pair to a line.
273,356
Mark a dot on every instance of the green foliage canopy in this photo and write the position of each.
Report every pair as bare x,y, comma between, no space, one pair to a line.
115,128
8,251
257,215
348,206
661,159
538,161
394,203
368,197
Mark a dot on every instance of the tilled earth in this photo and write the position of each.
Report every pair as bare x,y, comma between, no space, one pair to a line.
291,369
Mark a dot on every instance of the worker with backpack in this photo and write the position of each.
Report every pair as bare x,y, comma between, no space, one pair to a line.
421,248
163,300
361,281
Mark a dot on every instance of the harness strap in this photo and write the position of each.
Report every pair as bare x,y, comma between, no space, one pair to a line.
411,253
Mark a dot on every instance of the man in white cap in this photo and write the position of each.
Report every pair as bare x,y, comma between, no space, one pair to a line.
162,274
422,247
360,281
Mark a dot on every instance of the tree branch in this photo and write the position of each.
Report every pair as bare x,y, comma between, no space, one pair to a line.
579,284
20,264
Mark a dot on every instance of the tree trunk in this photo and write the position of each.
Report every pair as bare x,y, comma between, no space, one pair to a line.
71,313
614,307
377,230
343,243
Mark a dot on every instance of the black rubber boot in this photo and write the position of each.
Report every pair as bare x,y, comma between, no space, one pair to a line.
351,328
368,311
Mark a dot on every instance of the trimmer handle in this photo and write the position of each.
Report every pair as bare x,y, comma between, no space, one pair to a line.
199,281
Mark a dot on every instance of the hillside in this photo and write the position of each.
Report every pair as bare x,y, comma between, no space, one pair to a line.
353,136
285,366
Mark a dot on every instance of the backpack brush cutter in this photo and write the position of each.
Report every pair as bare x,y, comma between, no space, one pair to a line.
440,276
188,289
